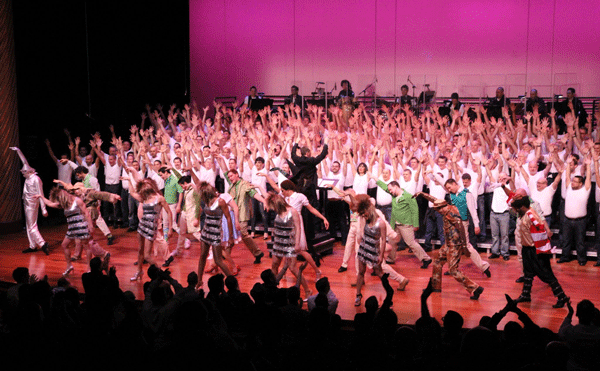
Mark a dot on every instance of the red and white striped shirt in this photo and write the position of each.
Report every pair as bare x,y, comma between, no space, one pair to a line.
538,234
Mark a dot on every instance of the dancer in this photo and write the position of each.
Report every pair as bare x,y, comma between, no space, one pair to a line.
211,236
151,204
286,237
536,251
242,192
228,240
90,198
404,220
357,226
372,245
455,245
91,182
31,203
299,202
78,220
188,208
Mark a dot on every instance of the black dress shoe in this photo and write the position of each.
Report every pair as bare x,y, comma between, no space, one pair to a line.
258,257
564,259
561,302
477,293
373,273
131,229
493,256
426,264
45,248
520,279
317,258
342,269
28,250
446,273
487,272
523,299
110,240
597,264
168,261
583,263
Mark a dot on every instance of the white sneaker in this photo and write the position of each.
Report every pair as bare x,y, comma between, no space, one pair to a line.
187,244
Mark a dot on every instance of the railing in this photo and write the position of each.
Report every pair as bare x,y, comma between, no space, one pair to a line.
591,104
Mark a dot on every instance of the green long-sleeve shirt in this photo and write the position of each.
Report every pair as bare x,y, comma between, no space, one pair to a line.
404,208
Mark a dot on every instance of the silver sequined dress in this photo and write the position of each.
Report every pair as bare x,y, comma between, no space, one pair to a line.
149,222
78,228
212,231
369,249
284,236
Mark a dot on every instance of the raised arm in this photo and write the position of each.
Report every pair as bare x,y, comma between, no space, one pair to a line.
47,141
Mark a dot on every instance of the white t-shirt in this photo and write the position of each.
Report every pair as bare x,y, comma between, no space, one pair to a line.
297,201
360,184
64,172
383,198
544,198
259,180
437,190
112,173
340,184
410,186
206,175
499,199
563,184
576,202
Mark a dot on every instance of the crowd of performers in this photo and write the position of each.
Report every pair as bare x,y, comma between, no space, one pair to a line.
206,181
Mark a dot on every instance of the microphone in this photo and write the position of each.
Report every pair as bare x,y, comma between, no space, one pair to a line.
408,78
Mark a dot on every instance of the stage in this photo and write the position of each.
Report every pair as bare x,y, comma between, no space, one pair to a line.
578,282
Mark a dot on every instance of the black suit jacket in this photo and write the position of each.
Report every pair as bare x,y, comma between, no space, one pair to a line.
306,176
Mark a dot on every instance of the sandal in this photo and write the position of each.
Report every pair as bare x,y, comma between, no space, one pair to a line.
357,300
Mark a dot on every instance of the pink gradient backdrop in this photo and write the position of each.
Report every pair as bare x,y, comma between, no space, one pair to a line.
467,46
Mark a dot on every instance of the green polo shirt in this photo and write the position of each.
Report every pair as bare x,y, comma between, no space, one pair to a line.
405,210
172,189
460,200
242,192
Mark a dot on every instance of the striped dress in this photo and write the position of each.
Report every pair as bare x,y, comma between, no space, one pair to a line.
78,228
149,221
212,231
369,249
284,236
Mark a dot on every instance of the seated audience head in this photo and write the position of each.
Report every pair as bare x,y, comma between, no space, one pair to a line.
231,283
96,264
323,286
215,284
21,275
192,279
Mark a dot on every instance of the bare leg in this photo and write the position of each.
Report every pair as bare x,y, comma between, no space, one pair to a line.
65,245
312,263
293,265
229,260
78,249
275,263
360,278
204,248
140,265
148,246
218,257
88,253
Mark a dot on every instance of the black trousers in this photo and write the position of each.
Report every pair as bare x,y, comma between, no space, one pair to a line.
535,264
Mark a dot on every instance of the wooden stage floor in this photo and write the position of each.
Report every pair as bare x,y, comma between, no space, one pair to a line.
578,282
